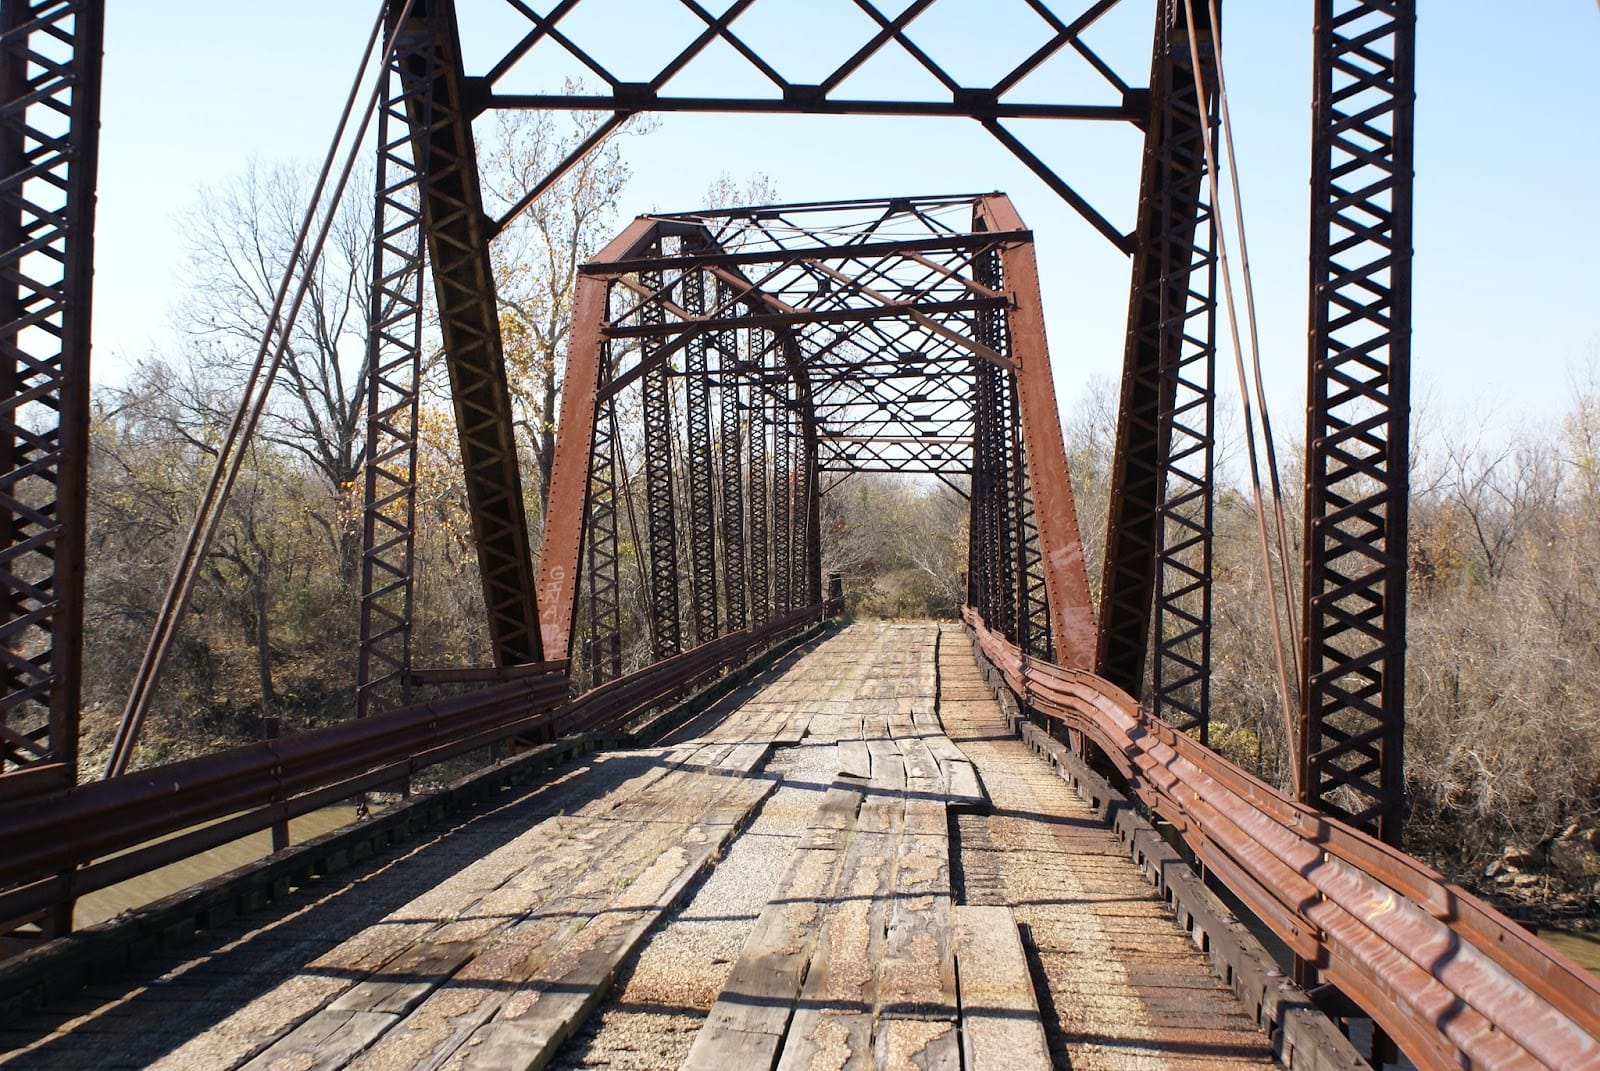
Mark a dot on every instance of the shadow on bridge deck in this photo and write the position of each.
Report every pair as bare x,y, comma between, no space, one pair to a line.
869,903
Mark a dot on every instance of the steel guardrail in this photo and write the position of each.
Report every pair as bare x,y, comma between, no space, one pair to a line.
1454,982
97,834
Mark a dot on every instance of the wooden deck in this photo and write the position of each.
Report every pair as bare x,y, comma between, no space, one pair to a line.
851,865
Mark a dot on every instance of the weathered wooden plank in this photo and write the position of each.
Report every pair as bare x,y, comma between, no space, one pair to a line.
723,1047
888,767
326,1042
916,976
746,1025
834,819
834,1039
927,817
540,1015
753,1010
854,759
746,757
921,1045
488,897
944,749
596,866
919,760
709,756
1000,1024
401,985
794,728
536,1019
963,789
833,1021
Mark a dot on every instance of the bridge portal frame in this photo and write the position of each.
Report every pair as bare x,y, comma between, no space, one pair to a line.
649,284
51,62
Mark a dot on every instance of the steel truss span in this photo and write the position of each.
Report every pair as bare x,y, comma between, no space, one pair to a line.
894,336
726,370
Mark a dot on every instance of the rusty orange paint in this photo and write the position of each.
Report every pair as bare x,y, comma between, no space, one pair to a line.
1066,579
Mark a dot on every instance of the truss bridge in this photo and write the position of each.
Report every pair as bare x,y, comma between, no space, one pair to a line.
712,819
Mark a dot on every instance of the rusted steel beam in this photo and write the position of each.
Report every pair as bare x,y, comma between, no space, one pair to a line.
483,674
841,251
1125,112
1170,197
50,65
602,655
661,514
992,561
613,704
781,420
992,106
106,817
796,317
1180,671
458,249
566,511
760,490
806,509
1358,413
1453,981
702,524
1066,579
732,441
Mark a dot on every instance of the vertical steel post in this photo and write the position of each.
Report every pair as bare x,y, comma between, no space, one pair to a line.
394,370
782,488
1035,629
1180,672
660,511
1357,423
731,441
805,518
50,62
603,579
702,505
992,566
760,484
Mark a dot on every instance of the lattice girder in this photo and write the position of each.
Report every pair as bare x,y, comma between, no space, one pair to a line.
1357,433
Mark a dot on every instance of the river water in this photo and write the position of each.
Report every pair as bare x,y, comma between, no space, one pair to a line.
147,888
1582,948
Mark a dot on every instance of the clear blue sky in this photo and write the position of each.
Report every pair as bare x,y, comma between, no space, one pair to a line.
1508,163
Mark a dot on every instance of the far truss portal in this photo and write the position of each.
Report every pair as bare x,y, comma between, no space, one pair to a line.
896,336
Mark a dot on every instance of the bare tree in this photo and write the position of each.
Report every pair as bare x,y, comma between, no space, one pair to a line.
152,441
240,240
899,542
536,258
1500,493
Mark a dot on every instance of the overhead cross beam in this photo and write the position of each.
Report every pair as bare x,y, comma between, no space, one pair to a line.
558,38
